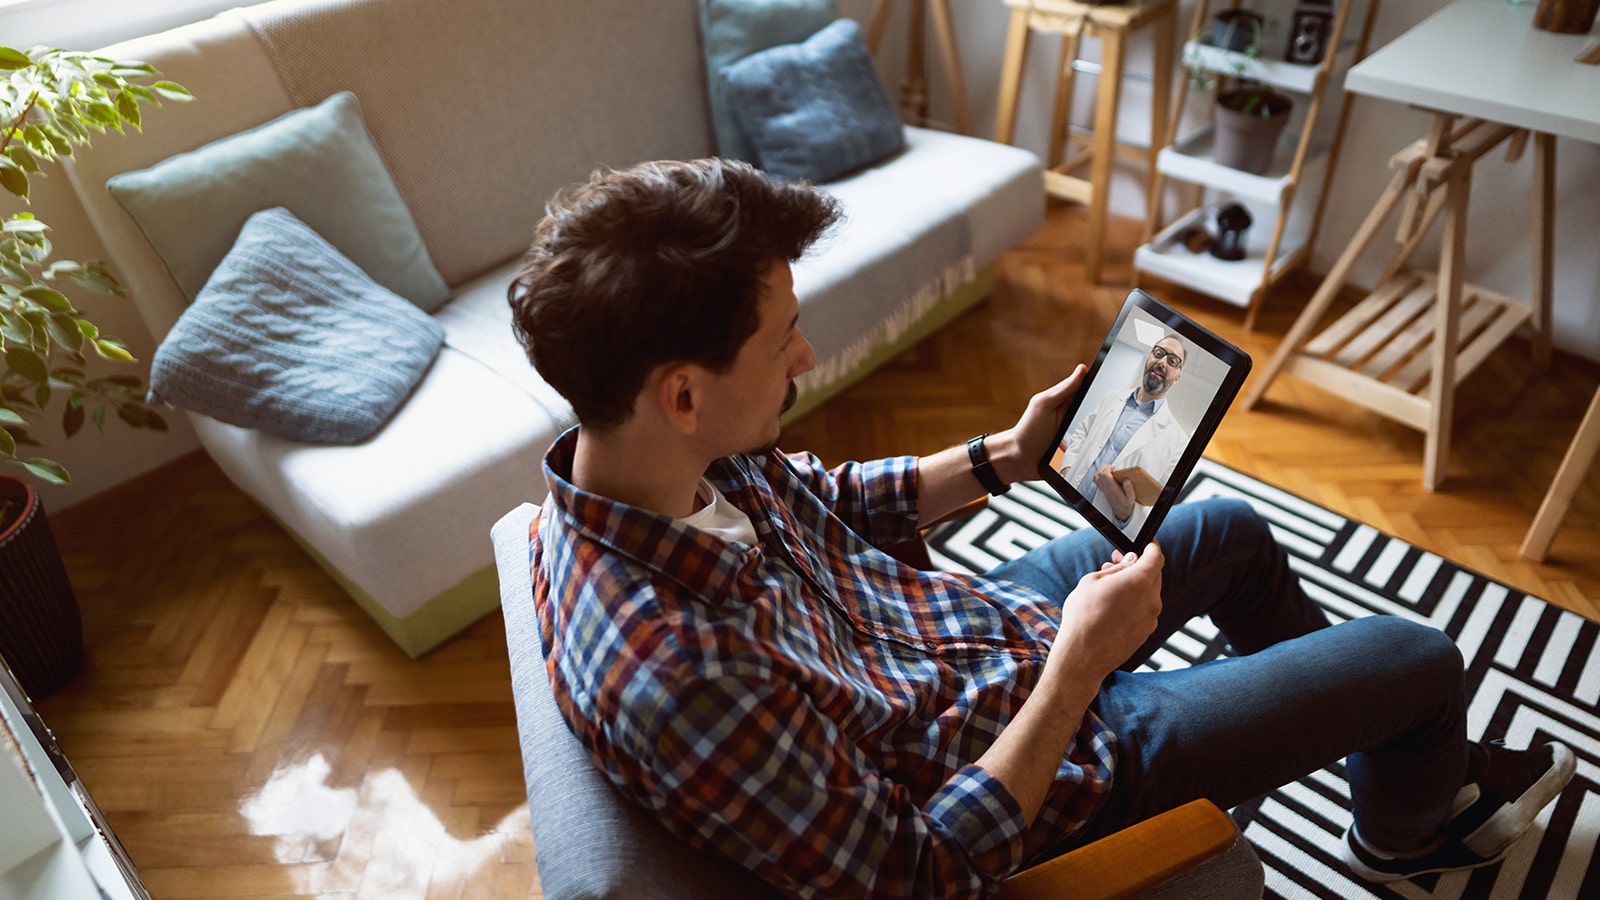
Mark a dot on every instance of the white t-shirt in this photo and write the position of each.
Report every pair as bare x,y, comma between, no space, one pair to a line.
720,517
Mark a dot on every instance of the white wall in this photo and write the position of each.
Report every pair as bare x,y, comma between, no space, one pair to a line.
1500,214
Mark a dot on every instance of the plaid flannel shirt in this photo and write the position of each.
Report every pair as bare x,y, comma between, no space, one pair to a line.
807,707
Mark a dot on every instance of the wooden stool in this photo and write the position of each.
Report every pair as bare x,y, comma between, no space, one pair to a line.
914,89
1111,24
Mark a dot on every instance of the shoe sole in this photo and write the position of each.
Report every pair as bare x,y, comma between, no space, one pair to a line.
1510,822
1378,876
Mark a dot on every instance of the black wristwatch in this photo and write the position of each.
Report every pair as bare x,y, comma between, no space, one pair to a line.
982,469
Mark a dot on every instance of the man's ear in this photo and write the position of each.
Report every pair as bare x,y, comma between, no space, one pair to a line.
676,392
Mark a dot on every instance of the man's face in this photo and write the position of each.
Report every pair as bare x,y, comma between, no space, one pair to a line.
760,386
1163,366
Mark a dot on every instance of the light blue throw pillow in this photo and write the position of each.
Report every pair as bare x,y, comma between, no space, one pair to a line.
290,337
730,30
817,110
319,163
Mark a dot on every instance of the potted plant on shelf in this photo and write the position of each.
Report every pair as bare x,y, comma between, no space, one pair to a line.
50,101
1250,115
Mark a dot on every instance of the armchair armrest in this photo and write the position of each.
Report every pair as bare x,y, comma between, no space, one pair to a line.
1131,861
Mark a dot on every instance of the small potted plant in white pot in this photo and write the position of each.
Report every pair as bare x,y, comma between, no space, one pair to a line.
50,101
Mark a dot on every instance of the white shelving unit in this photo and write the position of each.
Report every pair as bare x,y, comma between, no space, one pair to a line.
1283,230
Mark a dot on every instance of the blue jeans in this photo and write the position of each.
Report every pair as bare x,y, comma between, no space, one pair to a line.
1385,692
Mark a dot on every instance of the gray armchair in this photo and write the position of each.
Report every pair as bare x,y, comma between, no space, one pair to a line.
592,843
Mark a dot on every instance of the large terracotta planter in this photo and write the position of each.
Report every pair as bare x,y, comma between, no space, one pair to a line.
1246,138
41,634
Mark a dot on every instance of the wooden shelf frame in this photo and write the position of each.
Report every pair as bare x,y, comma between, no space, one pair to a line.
1288,172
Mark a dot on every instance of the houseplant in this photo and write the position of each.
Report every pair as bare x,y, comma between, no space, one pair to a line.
50,101
1250,116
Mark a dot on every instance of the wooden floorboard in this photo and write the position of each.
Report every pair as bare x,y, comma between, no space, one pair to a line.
249,732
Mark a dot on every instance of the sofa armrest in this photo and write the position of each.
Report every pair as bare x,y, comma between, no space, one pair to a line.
1132,860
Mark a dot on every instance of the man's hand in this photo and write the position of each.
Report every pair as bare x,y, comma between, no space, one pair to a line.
1108,616
1119,493
1015,453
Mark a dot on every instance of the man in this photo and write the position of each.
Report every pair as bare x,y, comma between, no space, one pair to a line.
1129,430
739,658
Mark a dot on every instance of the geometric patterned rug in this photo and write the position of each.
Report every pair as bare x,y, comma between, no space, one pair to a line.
1533,674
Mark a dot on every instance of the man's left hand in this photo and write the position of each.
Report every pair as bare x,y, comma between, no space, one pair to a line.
1015,453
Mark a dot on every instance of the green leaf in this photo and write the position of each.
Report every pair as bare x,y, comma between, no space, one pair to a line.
49,470
23,157
9,417
153,420
172,91
14,180
28,364
41,395
8,444
128,108
64,328
13,59
47,297
72,417
22,223
133,414
99,418
112,350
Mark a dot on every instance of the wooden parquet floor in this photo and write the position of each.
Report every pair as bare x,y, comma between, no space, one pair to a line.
249,732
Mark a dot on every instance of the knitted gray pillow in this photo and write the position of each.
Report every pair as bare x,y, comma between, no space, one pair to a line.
290,337
814,111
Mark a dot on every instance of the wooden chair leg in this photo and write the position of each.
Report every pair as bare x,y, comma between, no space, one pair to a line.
1574,466
954,77
1105,145
1447,318
1066,85
1005,123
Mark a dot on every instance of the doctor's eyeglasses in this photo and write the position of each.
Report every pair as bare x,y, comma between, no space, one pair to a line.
1162,354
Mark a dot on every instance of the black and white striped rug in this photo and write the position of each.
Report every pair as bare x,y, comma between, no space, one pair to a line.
1533,670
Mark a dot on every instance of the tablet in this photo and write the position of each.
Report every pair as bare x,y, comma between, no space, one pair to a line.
1151,401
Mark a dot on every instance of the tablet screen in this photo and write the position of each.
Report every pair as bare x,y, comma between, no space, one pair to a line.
1151,401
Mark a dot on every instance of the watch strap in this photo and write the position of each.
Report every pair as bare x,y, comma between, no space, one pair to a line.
982,469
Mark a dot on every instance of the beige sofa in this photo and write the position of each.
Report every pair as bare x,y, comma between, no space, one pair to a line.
481,109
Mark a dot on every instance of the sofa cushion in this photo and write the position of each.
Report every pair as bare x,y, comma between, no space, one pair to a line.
815,110
317,162
484,108
730,30
401,516
913,231
291,337
477,324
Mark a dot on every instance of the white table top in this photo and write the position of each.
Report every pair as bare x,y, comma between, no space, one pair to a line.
1484,58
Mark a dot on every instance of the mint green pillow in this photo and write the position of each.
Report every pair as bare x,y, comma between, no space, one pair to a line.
319,163
730,30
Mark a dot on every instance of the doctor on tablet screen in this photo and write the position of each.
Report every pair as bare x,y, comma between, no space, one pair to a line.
1129,429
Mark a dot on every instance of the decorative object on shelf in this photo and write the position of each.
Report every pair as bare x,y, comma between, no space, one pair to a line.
1233,221
1566,16
1308,33
1195,238
41,633
50,102
1238,30
1250,119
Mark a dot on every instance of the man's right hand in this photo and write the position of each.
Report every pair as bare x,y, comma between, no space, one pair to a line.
1108,616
